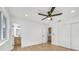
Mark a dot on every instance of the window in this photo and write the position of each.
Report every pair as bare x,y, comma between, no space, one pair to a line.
3,26
0,25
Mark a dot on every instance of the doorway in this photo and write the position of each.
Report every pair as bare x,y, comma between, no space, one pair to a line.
49,35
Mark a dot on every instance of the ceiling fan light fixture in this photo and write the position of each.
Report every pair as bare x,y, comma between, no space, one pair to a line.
49,18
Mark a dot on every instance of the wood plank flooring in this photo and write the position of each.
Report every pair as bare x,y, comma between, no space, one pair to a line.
42,47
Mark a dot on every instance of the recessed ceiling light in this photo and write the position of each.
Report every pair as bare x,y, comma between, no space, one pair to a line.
72,11
26,15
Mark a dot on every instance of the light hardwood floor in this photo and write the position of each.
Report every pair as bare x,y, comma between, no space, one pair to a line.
42,47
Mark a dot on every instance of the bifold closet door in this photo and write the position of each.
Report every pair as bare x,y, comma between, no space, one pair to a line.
75,36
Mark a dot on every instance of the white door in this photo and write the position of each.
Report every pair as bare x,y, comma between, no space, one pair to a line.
75,36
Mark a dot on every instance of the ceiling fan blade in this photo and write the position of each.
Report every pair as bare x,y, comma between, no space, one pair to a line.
44,18
57,14
52,9
42,14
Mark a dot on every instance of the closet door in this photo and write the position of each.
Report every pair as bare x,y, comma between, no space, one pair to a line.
75,36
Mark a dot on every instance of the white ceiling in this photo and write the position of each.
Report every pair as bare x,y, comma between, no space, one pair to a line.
32,12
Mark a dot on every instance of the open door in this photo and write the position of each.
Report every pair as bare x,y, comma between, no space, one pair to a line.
49,35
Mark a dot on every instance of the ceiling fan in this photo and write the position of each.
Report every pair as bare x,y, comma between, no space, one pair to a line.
49,14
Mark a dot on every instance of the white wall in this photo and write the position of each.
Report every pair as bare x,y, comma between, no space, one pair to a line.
64,36
31,32
7,45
